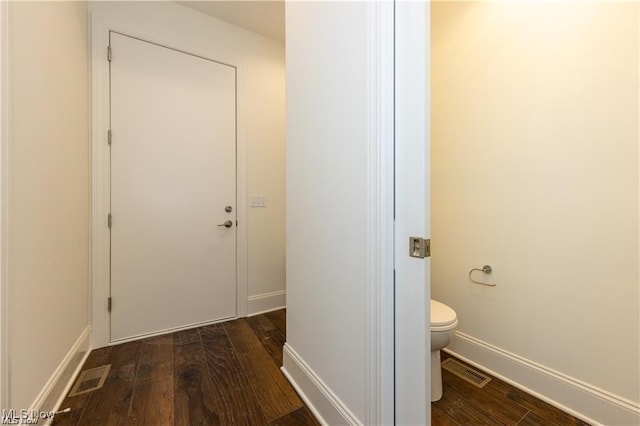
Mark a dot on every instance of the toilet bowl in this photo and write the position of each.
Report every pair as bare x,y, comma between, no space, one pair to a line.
443,325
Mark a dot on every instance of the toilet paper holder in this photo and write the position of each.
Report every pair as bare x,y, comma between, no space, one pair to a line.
487,269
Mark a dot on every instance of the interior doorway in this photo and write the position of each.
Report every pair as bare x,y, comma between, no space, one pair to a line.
178,173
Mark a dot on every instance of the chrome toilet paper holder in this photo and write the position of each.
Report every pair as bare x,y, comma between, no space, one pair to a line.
487,269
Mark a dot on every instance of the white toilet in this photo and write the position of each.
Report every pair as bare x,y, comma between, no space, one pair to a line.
443,325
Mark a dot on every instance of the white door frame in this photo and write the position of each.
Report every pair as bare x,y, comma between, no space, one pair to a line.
398,340
4,194
104,19
380,306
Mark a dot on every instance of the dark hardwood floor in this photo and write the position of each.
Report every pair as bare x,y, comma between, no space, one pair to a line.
497,403
223,374
229,374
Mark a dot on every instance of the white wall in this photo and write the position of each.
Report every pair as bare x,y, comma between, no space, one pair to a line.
265,95
264,61
535,172
327,160
48,187
261,122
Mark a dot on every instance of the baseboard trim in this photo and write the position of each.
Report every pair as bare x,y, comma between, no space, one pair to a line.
587,402
266,302
56,388
324,404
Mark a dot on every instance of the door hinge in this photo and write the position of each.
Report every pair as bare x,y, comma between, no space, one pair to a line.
109,304
419,247
109,53
109,220
109,136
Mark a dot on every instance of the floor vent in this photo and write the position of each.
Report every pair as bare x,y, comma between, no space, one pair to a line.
90,380
472,376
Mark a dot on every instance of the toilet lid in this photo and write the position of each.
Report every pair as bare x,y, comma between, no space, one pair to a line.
441,314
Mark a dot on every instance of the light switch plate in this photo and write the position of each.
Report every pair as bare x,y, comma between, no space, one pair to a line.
258,201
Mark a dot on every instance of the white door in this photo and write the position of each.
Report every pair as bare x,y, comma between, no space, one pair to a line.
412,275
173,183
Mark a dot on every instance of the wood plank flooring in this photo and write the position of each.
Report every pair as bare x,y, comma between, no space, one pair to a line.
497,403
229,374
222,374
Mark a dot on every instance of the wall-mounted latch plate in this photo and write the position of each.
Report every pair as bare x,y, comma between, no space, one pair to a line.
419,247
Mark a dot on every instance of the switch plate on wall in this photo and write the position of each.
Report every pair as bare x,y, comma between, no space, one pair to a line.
258,201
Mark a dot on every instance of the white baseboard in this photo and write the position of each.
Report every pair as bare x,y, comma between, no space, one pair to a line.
587,402
262,303
58,385
324,404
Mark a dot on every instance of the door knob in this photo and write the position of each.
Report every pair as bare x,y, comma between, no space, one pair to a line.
227,224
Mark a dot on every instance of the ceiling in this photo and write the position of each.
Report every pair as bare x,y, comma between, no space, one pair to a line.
263,17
